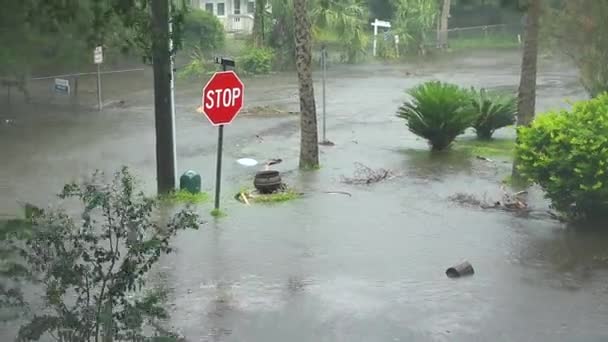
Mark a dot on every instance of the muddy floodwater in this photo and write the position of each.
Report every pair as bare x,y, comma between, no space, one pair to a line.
332,267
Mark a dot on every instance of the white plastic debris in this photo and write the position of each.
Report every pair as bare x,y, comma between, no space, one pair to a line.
247,162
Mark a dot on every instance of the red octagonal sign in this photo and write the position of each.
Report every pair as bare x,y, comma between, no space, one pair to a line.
223,98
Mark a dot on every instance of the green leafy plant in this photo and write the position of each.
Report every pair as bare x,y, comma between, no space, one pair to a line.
91,267
413,19
197,67
256,61
566,153
203,29
186,197
493,111
438,112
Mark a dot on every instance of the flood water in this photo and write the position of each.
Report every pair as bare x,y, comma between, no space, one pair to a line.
331,267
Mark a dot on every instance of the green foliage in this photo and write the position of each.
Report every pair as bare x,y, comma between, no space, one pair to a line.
203,31
386,49
281,36
577,28
218,213
284,195
344,22
566,153
39,35
256,61
412,20
278,197
197,67
92,267
487,148
493,111
438,112
342,25
186,197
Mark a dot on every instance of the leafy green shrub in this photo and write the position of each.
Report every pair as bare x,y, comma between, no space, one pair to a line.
91,268
256,61
493,111
386,49
566,153
197,67
204,30
439,112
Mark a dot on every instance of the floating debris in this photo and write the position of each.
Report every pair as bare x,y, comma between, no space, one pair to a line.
366,175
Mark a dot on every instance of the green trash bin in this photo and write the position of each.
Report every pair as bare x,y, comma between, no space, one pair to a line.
190,181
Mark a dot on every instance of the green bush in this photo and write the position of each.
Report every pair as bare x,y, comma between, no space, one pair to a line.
493,111
91,267
566,153
256,61
203,30
439,112
197,67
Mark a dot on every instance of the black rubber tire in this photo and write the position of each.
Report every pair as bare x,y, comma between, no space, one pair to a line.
268,181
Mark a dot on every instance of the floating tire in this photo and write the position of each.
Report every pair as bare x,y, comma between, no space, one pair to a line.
268,181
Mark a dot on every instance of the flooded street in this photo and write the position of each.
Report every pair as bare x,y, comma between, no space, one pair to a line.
331,267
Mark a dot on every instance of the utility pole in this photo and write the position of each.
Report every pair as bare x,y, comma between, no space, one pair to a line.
163,104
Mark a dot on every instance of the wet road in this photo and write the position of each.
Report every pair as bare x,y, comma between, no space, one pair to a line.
334,268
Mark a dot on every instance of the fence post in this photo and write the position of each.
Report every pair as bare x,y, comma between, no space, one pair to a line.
75,90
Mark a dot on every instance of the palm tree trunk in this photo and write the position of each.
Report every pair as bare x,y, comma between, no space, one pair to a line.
309,148
443,30
526,103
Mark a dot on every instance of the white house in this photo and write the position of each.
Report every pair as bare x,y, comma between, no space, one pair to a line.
236,15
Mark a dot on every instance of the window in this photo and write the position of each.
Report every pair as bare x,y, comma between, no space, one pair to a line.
237,6
221,9
209,7
250,7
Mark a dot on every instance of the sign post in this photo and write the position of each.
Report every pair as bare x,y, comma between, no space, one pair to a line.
98,59
222,100
324,67
378,23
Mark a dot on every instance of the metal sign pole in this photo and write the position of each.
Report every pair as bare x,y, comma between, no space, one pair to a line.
324,66
99,100
218,175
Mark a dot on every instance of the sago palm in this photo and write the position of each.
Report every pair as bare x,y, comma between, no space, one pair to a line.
438,112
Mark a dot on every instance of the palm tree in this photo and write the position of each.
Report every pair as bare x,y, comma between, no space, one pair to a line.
309,148
526,103
443,24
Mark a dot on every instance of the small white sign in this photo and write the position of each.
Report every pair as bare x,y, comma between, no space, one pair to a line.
98,55
381,23
62,86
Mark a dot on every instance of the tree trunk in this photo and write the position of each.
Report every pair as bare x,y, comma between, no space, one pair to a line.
527,85
443,30
309,148
163,113
258,23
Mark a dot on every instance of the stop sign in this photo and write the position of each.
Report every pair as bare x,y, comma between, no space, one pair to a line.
223,98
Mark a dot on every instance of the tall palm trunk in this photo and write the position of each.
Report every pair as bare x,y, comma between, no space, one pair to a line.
443,24
309,148
526,103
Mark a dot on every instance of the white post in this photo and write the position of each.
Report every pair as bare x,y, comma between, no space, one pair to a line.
324,66
397,44
375,25
172,58
99,99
